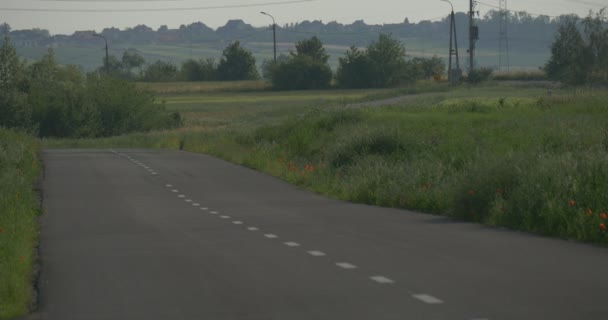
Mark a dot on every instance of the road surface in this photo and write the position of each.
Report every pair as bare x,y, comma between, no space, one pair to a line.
149,234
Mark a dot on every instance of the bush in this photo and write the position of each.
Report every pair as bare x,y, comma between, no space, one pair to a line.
301,72
479,75
60,101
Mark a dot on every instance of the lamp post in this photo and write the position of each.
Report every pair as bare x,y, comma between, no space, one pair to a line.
453,74
107,61
274,34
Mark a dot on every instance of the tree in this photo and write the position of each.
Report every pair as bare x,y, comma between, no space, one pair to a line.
14,111
307,68
354,69
312,48
160,71
5,30
567,55
201,70
381,65
11,68
579,53
301,72
387,56
131,60
237,63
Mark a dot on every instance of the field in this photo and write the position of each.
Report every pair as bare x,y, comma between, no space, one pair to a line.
19,209
91,57
506,155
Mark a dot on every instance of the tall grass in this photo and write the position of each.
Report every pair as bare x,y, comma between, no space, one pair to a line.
529,163
532,165
19,209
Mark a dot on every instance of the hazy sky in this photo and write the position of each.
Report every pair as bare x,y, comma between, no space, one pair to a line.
162,12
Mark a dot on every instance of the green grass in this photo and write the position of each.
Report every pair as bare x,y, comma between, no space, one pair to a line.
499,154
19,209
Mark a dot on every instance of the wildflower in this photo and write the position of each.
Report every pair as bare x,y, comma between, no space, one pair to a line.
571,203
1,229
471,192
603,226
293,168
500,191
589,212
426,186
604,216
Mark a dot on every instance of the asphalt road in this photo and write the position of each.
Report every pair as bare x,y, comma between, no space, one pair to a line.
141,234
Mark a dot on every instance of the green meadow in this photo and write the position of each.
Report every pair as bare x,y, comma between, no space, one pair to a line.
507,155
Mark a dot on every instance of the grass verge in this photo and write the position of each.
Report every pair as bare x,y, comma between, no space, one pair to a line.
19,209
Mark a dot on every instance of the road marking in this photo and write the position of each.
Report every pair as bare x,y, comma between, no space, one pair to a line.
270,236
346,265
427,298
188,200
181,196
196,204
316,253
204,208
174,190
237,222
225,217
292,244
168,185
381,279
253,229
214,212
154,173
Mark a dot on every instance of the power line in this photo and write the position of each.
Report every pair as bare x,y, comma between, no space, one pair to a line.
517,11
158,9
589,3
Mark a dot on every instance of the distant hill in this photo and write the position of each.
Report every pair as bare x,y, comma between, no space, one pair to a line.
529,39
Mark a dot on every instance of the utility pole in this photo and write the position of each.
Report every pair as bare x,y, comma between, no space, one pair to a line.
473,35
503,45
107,60
454,75
274,34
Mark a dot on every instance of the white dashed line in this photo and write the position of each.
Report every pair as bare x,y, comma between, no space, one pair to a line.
427,298
316,253
225,217
204,208
346,265
253,229
292,244
381,279
188,200
237,222
168,185
154,173
213,212
270,236
175,190
181,196
196,204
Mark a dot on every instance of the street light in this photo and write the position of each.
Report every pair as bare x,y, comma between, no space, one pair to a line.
107,62
453,74
274,34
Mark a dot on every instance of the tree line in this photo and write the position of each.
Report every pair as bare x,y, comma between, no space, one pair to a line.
50,100
382,63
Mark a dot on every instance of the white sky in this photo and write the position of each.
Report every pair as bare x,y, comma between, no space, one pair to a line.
344,11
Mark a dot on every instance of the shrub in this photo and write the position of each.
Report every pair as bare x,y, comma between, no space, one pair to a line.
479,75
